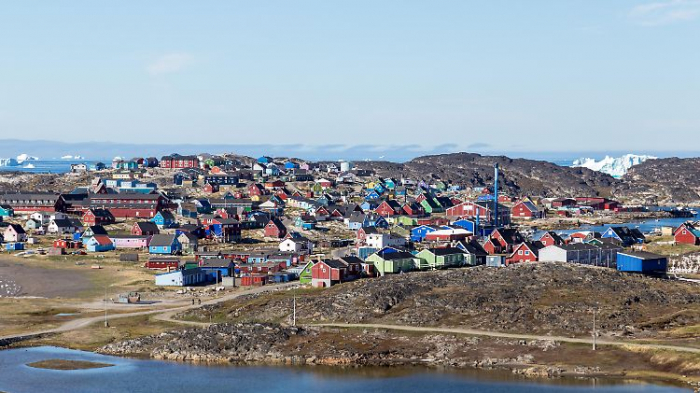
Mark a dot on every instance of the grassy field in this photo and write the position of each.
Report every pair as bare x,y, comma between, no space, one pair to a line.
97,335
57,285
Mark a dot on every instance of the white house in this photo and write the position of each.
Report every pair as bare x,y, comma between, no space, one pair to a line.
381,240
297,245
62,226
14,233
42,218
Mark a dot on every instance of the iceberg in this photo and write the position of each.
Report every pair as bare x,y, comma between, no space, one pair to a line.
75,157
8,162
26,157
29,166
613,166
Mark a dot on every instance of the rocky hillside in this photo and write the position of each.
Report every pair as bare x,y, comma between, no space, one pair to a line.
546,298
670,180
519,176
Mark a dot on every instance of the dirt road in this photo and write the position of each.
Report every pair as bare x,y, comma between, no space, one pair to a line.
167,313
518,336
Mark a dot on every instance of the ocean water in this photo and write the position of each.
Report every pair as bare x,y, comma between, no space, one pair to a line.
45,166
148,376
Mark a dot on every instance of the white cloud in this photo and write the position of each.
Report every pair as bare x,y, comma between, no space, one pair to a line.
665,12
169,63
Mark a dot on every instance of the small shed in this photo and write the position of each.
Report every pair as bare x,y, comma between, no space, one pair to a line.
14,246
495,260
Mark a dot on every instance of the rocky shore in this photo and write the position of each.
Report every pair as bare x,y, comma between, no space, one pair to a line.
254,343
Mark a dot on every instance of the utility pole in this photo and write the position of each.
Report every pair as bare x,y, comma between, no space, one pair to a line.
595,334
105,305
294,306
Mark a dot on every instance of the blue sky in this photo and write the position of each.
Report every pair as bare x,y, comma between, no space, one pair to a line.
489,75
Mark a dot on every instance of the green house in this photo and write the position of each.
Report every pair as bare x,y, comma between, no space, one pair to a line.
431,205
389,261
6,211
305,275
440,258
406,220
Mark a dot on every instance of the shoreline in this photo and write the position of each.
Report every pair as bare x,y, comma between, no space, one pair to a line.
519,372
471,353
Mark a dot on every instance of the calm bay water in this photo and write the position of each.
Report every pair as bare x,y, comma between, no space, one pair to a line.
130,375
44,166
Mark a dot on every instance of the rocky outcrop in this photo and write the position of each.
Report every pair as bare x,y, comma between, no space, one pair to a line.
670,180
251,343
545,298
519,176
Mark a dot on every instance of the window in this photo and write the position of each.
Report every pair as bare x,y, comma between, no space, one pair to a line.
520,252
527,252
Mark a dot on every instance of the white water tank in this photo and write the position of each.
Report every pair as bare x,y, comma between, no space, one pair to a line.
345,166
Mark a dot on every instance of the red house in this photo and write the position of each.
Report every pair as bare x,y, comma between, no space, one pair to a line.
255,189
506,238
412,209
274,185
551,239
163,263
275,229
210,188
177,161
469,209
128,205
334,271
144,228
94,217
525,209
524,252
388,208
687,233
492,246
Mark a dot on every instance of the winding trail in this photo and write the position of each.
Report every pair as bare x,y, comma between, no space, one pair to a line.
487,333
166,314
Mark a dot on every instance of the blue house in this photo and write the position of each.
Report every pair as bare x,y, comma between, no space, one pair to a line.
418,233
291,165
164,244
374,194
163,219
642,262
375,220
6,211
469,225
216,268
370,204
181,278
99,243
624,235
97,166
389,184
264,160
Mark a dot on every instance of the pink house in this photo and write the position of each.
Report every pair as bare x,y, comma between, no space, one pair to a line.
131,241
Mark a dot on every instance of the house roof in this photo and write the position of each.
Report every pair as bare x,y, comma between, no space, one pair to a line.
216,262
102,240
642,255
147,226
445,251
63,223
98,230
395,255
162,240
